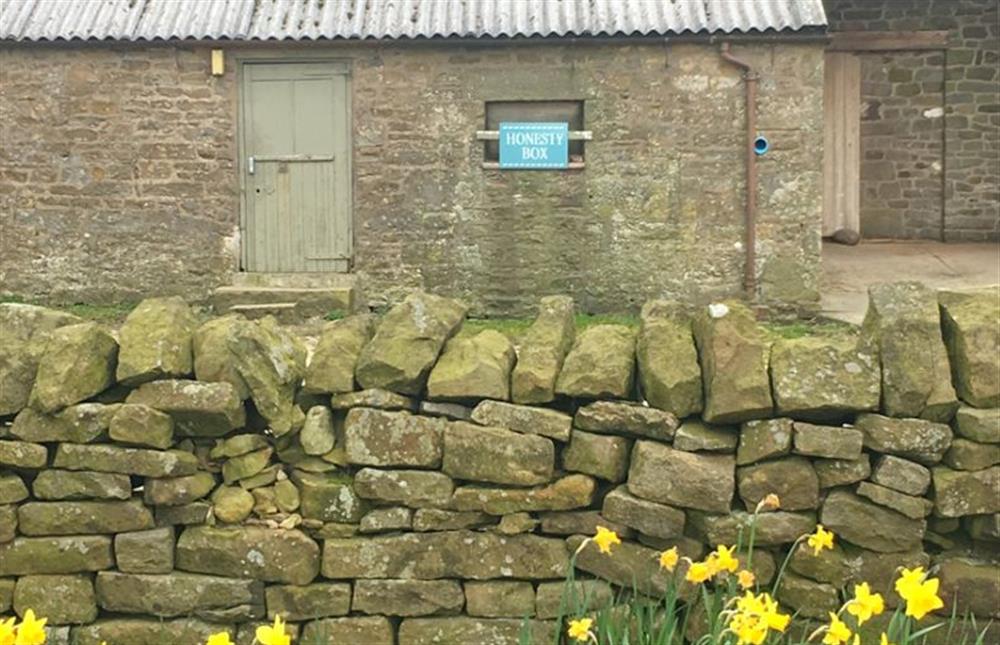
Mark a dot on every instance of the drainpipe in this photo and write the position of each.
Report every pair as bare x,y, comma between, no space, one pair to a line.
750,79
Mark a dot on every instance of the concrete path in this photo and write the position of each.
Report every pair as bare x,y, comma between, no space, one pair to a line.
848,270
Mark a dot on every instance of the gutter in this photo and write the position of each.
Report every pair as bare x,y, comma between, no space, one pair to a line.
750,218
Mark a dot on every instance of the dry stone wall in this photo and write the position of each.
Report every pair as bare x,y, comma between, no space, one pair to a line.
408,482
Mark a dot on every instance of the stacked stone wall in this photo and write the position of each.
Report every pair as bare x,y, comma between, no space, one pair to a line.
406,481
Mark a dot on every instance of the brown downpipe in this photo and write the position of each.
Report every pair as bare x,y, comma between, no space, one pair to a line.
750,79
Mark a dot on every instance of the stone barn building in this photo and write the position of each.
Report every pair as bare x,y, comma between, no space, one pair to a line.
350,150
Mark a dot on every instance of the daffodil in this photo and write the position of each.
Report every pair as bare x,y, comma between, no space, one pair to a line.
7,631
924,599
273,634
749,629
775,619
222,638
821,539
668,559
31,631
837,631
909,581
754,616
745,579
579,629
605,538
884,639
699,572
865,604
724,560
769,503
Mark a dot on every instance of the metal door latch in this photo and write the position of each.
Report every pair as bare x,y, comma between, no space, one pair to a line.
250,164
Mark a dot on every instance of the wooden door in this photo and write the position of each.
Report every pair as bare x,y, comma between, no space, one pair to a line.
841,143
296,166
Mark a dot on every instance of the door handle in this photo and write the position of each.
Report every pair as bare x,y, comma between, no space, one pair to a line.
250,165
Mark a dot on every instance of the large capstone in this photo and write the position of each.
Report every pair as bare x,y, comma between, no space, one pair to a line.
669,373
401,354
156,341
377,438
78,362
870,525
488,454
600,364
734,359
686,479
972,336
824,378
904,323
271,555
473,367
331,366
542,351
916,439
198,409
213,360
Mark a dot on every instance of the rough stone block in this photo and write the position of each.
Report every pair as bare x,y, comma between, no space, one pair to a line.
685,479
913,507
213,362
972,337
126,461
12,489
141,425
958,493
149,551
374,398
176,594
147,631
482,453
591,595
808,598
600,364
370,630
198,409
432,519
828,442
472,555
603,456
647,517
840,472
969,455
331,366
401,354
792,479
80,423
463,629
580,523
982,425
381,520
763,439
156,341
78,518
271,555
774,528
572,491
612,417
177,491
499,599
69,484
543,350
309,602
902,475
669,373
453,411
632,567
328,497
696,436
415,488
829,565
245,466
377,438
869,525
60,599
6,594
183,515
238,445
38,555
525,419
969,586
408,597
916,439
22,454
473,367
8,523
231,504
77,363
317,435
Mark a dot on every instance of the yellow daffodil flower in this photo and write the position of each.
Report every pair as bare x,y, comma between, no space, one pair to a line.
222,638
770,503
31,631
579,629
865,604
909,581
775,620
668,559
724,560
605,538
273,634
7,631
837,632
884,639
745,579
699,572
924,599
749,629
821,539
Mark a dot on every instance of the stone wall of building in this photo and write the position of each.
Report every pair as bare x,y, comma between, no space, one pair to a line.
120,171
928,113
407,481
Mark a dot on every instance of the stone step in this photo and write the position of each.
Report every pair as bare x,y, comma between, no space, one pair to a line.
283,311
290,304
294,280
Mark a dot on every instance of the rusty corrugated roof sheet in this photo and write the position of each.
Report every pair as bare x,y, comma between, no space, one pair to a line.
298,20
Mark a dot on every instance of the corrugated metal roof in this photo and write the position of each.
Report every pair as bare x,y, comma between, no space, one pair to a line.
149,20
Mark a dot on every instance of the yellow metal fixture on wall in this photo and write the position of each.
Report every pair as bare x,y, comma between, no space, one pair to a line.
218,62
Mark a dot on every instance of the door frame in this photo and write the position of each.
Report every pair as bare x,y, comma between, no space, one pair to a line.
341,65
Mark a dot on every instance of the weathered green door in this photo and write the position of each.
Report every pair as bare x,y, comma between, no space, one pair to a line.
296,166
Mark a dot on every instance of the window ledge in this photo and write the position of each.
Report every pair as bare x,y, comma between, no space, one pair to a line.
574,135
495,165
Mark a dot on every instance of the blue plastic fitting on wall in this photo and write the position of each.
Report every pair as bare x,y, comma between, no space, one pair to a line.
761,145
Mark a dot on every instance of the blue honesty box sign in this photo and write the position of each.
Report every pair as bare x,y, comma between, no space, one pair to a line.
534,145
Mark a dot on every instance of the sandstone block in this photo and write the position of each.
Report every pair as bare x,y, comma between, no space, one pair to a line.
902,475
177,491
647,517
913,507
370,630
916,439
824,379
374,398
271,555
828,442
26,329
8,523
329,497
580,523
482,453
591,595
543,350
147,631
612,417
61,599
331,367
433,519
68,484
958,493
245,466
407,343
408,597
840,472
22,454
317,600
880,570
808,598
764,439
734,360
6,594
126,461
696,436
377,438
237,445
600,364
982,425
414,488
12,489
149,551
176,594
213,361
472,555
969,455
81,423
972,337
792,479
685,479
603,456
499,598
453,411
572,491
317,436
462,629
669,373
231,504
141,425
869,525
970,586
73,554
525,419
185,514
198,409
156,341
77,363
473,367
78,518
904,323
829,565
381,520
774,528
632,566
